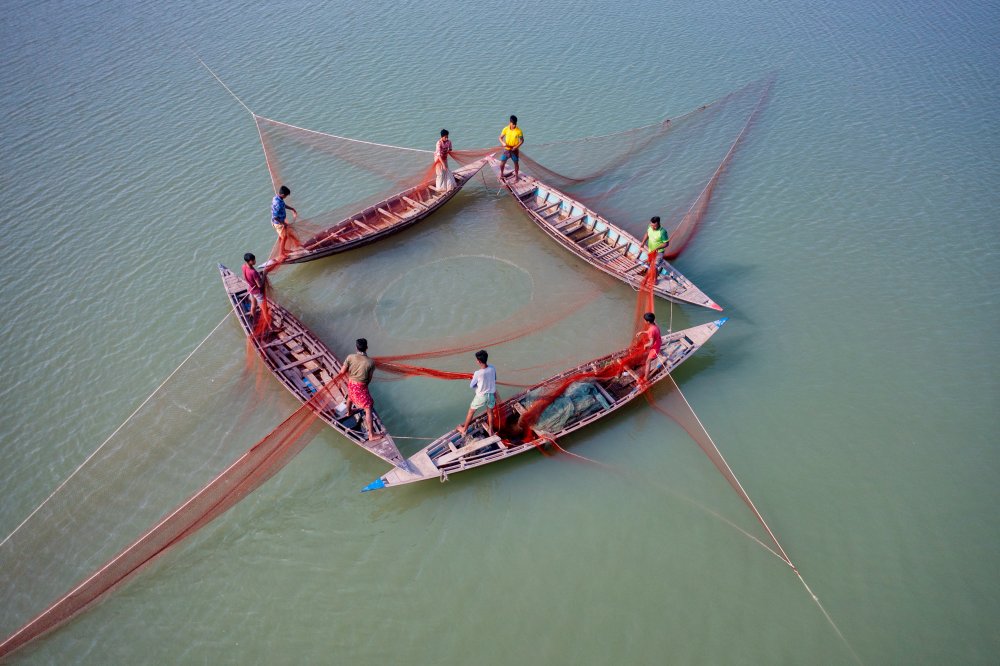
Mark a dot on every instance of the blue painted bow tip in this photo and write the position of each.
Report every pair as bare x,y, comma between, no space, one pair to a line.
720,322
377,484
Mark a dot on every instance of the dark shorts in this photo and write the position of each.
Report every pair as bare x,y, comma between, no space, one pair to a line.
511,154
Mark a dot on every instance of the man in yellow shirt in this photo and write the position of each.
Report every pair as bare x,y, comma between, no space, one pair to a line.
511,138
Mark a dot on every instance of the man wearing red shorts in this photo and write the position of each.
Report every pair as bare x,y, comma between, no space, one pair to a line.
359,370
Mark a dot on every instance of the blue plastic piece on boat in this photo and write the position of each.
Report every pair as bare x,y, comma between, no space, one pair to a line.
720,322
377,484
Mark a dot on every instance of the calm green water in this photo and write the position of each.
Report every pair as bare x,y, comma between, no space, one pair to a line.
854,392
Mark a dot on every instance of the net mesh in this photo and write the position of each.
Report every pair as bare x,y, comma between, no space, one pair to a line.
100,521
333,177
240,478
668,169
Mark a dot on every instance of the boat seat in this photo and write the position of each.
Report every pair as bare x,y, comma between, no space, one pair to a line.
570,221
546,206
301,361
418,204
390,215
636,268
467,449
281,341
607,251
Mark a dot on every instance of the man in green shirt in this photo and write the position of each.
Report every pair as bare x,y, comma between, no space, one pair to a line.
655,240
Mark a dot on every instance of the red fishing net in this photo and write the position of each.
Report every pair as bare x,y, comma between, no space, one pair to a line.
242,477
319,168
667,169
633,174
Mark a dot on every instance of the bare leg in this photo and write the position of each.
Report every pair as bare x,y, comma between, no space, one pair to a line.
650,360
468,419
368,422
489,421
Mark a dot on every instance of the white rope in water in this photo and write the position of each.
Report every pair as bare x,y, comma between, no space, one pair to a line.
757,513
784,555
344,138
111,436
267,158
225,86
302,129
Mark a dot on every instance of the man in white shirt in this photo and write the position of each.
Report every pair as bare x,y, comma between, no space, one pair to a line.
484,381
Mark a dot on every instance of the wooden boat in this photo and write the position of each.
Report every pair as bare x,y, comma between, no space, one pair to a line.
453,453
379,220
596,240
303,365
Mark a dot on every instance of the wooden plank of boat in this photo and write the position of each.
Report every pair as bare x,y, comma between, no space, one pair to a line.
670,284
420,201
392,217
293,354
418,204
441,457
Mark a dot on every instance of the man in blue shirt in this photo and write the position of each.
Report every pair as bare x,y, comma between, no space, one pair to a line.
278,207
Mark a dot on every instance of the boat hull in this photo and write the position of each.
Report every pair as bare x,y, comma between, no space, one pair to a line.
304,365
454,453
387,217
597,241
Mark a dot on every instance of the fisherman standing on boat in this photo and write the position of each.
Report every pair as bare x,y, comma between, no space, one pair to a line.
278,207
484,381
652,342
511,138
655,240
445,179
256,281
359,370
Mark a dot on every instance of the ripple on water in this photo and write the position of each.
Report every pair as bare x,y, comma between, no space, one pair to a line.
453,294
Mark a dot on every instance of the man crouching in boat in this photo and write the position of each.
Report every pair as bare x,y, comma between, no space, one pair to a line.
359,370
484,381
656,241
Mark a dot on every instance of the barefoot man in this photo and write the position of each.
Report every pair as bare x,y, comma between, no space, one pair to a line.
255,280
359,370
656,240
511,138
484,381
278,207
651,343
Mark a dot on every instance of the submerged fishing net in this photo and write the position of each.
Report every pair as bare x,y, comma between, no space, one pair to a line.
23,565
667,169
99,520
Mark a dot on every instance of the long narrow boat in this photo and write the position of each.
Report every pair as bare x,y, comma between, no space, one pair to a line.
303,365
379,220
596,240
590,399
